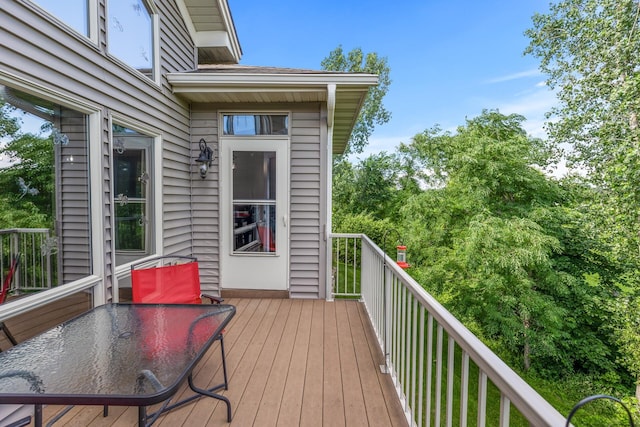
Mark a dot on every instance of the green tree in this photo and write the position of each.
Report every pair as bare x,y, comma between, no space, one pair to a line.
497,241
590,50
27,181
373,111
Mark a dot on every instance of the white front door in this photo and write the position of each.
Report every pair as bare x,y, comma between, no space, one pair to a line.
254,213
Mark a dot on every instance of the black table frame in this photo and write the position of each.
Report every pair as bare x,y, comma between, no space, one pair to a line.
142,401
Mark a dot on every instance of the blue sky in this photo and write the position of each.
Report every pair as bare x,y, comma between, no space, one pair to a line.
449,59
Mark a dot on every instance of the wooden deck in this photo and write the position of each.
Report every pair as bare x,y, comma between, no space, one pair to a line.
291,363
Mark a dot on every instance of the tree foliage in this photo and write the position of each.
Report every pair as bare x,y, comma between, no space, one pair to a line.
590,50
373,111
27,180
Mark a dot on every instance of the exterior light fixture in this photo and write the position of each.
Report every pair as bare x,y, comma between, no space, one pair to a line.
205,158
401,257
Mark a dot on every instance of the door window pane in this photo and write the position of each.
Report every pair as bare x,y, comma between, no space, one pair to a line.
254,206
254,227
254,175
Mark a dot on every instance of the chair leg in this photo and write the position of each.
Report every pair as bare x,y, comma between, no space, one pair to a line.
8,333
224,363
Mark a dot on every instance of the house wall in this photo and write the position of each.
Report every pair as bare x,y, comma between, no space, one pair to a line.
307,197
38,50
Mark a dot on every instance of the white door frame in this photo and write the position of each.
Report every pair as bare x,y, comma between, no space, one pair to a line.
247,270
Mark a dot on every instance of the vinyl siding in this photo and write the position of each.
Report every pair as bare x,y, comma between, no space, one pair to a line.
206,200
305,210
38,49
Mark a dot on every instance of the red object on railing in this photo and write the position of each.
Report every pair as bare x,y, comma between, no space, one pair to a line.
401,257
7,280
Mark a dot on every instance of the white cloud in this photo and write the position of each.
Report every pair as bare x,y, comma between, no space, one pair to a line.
515,76
532,105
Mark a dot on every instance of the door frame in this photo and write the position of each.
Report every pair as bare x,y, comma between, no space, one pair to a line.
227,145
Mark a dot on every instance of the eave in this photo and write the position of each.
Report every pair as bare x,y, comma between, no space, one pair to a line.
277,85
212,29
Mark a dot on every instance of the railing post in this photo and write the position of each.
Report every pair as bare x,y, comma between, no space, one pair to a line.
386,312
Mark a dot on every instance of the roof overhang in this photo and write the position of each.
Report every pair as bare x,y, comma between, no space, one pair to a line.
280,86
212,30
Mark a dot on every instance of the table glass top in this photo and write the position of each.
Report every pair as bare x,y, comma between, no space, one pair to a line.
116,350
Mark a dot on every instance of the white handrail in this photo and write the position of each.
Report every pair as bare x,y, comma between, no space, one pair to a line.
396,305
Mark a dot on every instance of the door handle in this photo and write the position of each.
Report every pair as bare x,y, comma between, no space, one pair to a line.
284,220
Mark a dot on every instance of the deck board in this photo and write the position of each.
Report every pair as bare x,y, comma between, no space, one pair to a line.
290,363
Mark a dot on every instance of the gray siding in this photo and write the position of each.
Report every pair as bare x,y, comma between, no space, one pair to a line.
39,50
206,200
305,205
72,200
306,202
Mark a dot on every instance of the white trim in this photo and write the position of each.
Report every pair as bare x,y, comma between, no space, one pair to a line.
155,37
96,201
331,109
43,298
225,12
122,270
244,79
94,144
94,21
186,17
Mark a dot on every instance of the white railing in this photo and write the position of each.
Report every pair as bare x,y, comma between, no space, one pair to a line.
421,341
35,250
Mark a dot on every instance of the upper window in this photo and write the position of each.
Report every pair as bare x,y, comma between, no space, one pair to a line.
74,13
130,34
133,193
256,124
45,218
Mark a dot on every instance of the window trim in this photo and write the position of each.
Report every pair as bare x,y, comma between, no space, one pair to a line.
92,20
221,115
155,40
96,279
156,157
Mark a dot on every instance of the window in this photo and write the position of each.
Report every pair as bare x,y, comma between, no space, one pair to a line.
44,174
131,34
133,194
256,124
74,13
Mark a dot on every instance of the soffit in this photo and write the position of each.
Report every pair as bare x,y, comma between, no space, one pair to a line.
246,84
212,29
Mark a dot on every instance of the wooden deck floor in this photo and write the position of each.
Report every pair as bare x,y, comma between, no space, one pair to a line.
291,363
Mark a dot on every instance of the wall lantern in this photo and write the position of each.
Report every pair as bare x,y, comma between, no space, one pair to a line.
205,158
401,257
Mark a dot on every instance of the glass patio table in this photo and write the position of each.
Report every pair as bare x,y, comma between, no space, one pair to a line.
115,354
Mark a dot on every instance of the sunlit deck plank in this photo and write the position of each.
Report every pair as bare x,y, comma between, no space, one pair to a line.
290,362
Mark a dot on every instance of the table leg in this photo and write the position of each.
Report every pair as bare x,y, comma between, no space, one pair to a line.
37,415
142,416
211,394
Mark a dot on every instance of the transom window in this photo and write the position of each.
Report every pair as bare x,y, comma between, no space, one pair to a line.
130,34
133,194
255,124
